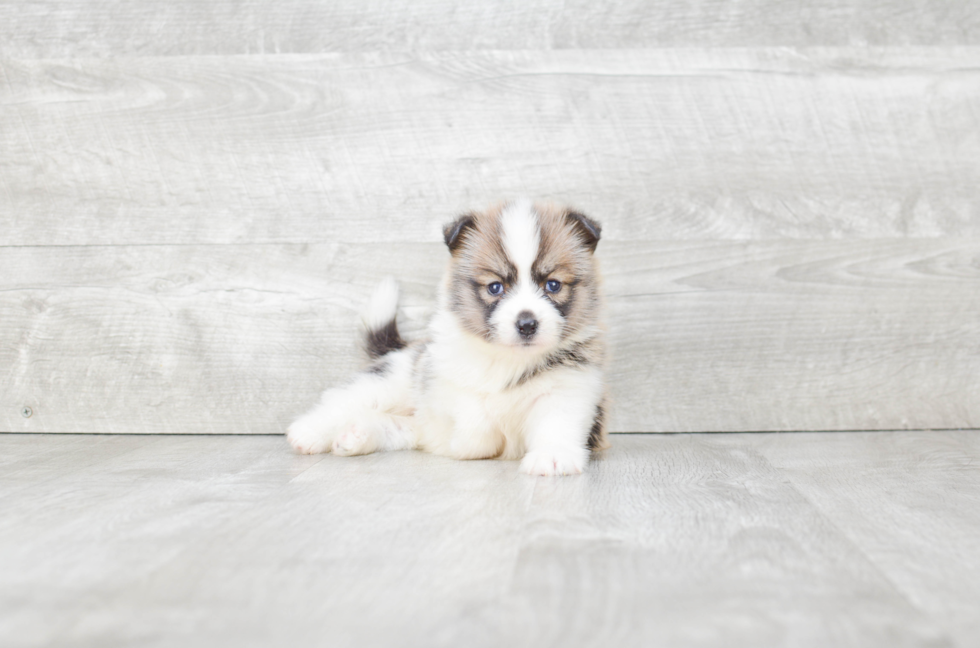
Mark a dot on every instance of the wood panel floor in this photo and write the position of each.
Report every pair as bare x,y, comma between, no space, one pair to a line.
850,539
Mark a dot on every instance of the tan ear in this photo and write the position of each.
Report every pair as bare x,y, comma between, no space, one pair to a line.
455,232
588,230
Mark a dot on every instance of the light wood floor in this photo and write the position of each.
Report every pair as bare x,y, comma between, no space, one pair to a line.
794,539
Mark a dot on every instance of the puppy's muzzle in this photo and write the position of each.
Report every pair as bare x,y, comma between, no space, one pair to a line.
527,326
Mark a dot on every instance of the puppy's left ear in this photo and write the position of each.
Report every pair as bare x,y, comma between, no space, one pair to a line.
588,230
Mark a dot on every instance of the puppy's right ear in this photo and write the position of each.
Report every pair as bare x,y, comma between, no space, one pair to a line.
455,232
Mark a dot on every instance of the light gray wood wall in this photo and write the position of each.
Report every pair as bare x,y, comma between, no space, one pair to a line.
68,28
196,197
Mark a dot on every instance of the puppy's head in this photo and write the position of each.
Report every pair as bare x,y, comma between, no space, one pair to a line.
522,275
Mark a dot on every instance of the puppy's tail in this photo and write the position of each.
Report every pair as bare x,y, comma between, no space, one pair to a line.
380,328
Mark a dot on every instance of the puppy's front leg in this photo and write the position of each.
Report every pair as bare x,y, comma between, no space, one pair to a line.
558,426
473,436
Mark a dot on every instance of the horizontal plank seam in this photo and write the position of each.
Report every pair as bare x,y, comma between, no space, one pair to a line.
667,433
435,241
801,431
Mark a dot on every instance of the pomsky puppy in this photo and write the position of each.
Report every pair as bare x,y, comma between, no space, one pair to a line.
513,364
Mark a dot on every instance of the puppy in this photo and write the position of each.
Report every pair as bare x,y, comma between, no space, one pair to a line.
513,364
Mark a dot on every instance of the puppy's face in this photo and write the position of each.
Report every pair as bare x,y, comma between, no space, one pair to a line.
523,275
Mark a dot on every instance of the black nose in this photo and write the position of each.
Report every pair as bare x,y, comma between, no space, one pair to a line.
527,326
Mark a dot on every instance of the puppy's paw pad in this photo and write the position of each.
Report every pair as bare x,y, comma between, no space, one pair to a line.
352,441
307,439
548,463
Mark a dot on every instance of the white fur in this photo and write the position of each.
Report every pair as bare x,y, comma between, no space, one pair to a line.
521,238
457,396
371,413
527,297
521,235
383,305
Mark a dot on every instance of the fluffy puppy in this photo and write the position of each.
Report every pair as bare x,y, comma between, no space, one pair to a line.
513,364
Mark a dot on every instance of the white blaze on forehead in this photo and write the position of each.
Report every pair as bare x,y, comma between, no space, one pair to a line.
521,236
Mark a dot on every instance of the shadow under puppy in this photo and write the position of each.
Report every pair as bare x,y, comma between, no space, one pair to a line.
513,363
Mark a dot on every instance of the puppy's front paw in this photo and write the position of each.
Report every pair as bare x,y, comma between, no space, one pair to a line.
555,461
355,440
308,438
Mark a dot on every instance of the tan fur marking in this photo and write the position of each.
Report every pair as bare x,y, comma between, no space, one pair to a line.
481,259
562,256
478,261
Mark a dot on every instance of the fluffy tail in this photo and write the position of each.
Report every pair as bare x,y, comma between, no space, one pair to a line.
380,329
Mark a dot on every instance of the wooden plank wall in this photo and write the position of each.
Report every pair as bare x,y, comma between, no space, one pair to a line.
195,198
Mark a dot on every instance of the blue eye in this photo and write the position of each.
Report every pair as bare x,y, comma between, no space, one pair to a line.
552,285
495,288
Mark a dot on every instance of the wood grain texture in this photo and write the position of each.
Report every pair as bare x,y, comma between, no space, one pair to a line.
705,336
107,28
867,483
657,144
681,540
